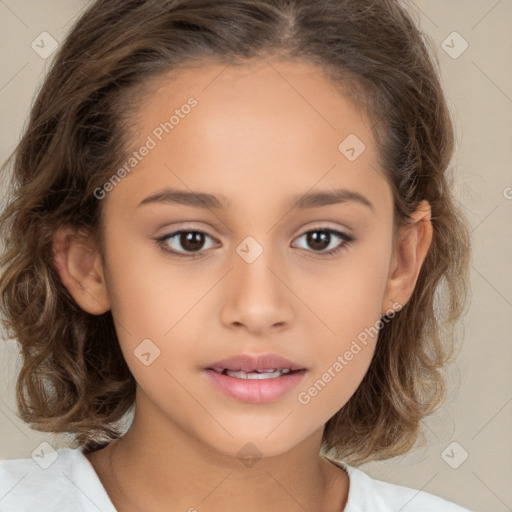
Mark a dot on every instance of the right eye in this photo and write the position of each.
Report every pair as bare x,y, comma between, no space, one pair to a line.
191,240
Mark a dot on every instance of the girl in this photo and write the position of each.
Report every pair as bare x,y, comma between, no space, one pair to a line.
233,219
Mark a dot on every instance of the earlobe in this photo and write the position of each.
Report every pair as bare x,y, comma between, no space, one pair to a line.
81,270
409,255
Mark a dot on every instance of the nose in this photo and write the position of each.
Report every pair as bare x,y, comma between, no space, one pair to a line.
256,295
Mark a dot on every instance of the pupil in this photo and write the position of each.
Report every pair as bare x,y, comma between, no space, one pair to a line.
192,240
315,236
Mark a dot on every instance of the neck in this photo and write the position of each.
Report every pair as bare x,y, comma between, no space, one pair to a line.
152,468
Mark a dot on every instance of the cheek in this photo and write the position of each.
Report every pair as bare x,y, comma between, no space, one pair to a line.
340,367
348,299
155,305
348,305
148,293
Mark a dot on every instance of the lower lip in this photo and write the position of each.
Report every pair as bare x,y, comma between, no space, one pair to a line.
255,391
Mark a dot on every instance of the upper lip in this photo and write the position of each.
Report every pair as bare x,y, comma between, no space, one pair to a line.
248,363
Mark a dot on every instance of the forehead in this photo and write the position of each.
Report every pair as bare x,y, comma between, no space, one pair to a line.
300,89
265,125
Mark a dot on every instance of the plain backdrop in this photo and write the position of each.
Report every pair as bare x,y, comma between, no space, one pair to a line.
469,455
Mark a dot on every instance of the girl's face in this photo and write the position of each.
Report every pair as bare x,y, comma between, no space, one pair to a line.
250,276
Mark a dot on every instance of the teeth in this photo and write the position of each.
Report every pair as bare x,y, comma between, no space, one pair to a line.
256,375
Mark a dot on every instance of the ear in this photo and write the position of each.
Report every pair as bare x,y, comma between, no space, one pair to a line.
408,257
81,270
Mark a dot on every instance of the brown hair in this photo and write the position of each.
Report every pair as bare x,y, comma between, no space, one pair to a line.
74,378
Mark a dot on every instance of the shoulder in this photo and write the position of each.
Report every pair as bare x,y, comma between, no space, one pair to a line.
366,493
51,480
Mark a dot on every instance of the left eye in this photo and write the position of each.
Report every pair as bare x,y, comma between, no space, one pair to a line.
192,241
322,238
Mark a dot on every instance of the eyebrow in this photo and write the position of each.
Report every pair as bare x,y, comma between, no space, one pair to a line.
299,202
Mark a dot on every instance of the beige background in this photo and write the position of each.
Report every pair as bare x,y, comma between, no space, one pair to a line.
478,415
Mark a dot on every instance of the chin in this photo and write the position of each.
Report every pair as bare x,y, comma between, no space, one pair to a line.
252,447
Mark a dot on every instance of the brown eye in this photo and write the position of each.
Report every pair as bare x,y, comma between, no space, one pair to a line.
320,239
191,241
183,242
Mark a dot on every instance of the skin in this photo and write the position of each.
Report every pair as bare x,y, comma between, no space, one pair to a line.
260,134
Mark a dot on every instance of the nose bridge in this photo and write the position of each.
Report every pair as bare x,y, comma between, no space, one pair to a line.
255,258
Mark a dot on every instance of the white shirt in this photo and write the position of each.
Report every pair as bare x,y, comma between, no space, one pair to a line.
70,484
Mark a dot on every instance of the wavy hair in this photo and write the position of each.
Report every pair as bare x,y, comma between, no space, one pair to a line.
74,378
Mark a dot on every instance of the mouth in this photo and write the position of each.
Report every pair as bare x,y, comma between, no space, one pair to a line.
272,373
255,379
268,365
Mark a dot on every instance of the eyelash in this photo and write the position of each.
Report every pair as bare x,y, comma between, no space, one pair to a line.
347,239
